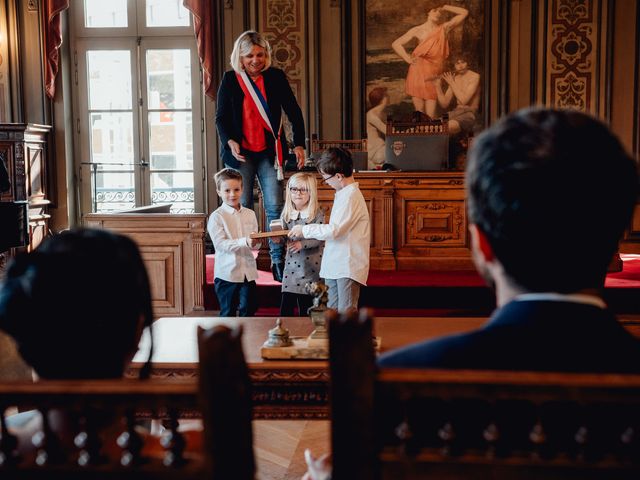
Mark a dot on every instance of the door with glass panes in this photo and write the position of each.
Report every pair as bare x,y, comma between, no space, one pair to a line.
138,106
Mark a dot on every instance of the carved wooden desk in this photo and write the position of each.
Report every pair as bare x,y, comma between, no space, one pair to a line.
282,388
286,389
418,219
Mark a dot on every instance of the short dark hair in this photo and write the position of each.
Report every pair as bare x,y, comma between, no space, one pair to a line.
74,305
226,174
336,160
377,95
553,191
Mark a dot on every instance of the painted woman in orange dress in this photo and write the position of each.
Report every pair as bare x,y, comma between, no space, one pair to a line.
426,61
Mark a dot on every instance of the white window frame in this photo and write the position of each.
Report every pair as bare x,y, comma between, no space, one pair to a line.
137,38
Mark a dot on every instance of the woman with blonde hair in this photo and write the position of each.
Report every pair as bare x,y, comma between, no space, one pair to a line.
251,99
302,264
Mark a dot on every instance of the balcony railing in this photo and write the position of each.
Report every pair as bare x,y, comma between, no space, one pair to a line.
114,199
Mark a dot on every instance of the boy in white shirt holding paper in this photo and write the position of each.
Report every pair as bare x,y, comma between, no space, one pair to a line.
345,261
235,266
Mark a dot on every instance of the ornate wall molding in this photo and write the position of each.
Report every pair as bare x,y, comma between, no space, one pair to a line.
283,26
572,43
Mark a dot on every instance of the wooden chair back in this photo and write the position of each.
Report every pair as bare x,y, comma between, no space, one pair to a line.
449,424
106,439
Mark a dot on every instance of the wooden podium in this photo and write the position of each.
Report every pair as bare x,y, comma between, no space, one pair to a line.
418,220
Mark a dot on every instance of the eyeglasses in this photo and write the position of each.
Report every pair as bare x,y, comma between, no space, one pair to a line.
298,190
326,179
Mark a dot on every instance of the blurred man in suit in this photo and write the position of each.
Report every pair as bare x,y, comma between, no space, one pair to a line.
550,194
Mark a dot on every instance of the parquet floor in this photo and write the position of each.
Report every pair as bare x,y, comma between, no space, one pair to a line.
279,446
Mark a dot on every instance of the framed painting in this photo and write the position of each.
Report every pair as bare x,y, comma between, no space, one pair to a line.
427,56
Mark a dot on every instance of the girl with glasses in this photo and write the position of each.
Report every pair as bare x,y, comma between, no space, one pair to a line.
303,257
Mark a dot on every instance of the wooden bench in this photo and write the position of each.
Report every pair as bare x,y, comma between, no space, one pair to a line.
106,440
420,423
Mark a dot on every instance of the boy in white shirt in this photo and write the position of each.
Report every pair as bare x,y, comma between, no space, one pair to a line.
235,266
345,261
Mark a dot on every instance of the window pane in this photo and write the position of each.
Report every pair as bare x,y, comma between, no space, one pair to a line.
105,14
169,78
112,137
171,140
113,190
166,13
109,79
174,188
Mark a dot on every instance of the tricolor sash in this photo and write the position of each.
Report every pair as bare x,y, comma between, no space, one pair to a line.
252,91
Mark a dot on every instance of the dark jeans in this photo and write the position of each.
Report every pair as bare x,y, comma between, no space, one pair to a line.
261,164
236,298
292,300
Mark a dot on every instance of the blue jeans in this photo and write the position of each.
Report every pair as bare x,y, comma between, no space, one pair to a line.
236,298
261,164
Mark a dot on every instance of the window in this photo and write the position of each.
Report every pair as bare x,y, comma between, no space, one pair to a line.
138,105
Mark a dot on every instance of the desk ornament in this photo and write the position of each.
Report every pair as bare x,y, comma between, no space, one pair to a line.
278,336
281,346
319,337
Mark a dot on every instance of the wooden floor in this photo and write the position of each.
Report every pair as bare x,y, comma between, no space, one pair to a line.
279,446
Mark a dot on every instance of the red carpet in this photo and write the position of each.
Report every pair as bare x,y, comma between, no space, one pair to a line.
435,293
629,277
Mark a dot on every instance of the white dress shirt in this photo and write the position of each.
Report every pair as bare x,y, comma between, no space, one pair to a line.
347,237
229,230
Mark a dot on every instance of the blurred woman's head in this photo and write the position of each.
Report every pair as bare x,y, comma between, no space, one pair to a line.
76,306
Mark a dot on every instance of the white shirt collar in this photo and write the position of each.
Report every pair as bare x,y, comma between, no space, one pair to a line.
562,297
230,209
295,214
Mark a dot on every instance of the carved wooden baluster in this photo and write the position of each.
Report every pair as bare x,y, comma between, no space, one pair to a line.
491,434
629,441
538,438
447,434
8,443
173,441
88,441
405,435
47,444
581,438
130,441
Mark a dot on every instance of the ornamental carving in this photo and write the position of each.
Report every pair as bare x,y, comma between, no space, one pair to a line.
435,222
289,376
282,25
571,62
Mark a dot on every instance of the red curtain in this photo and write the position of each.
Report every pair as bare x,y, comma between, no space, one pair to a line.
53,40
205,24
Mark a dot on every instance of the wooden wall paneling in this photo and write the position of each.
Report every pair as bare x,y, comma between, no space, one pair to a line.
172,247
329,82
502,59
521,52
313,67
625,94
431,223
163,266
541,33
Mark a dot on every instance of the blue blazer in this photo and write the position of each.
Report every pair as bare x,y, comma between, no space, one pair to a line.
229,112
531,335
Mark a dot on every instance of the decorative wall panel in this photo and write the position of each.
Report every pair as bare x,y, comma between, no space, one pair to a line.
572,54
282,24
